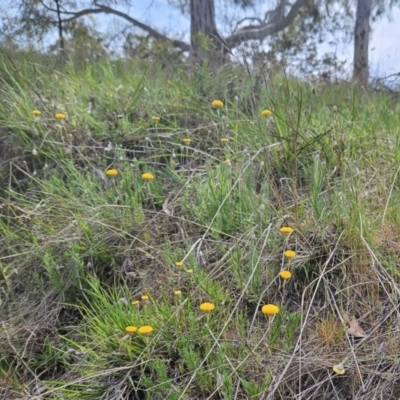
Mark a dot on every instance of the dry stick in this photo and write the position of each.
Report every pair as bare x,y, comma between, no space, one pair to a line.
226,323
234,369
227,196
237,390
182,304
299,395
388,278
87,378
349,287
20,357
259,303
244,290
227,359
390,195
219,264
360,342
352,349
266,289
303,325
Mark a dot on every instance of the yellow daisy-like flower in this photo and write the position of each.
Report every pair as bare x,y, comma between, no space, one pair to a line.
179,263
224,140
145,297
60,116
189,271
207,307
286,230
155,118
36,112
130,329
177,292
112,172
217,103
266,113
145,329
147,176
135,303
285,274
186,140
290,254
338,369
270,309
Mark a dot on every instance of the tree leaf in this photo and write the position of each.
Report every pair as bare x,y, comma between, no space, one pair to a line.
355,329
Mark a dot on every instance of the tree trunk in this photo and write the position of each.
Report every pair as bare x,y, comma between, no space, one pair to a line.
361,42
205,41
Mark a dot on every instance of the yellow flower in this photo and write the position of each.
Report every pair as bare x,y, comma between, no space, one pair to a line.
36,112
145,329
130,329
285,274
177,292
286,230
155,118
189,271
290,254
111,172
186,140
147,176
217,103
207,307
136,303
179,263
224,140
60,116
145,297
338,369
266,113
270,309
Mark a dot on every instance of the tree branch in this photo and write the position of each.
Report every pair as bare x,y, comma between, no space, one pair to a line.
108,10
246,19
259,32
60,28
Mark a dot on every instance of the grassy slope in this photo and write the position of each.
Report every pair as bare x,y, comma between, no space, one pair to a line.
77,247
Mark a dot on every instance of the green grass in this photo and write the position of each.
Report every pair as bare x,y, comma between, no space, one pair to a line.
78,247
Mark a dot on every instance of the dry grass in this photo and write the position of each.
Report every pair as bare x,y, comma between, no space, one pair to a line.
77,247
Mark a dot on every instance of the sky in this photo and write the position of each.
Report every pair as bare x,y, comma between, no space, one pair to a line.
384,39
385,45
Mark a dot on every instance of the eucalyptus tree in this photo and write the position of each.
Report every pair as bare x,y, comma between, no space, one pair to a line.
295,26
38,17
367,11
361,41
